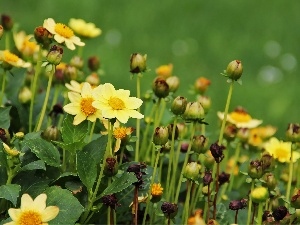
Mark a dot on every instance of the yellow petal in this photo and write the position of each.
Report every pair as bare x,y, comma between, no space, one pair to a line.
14,213
50,213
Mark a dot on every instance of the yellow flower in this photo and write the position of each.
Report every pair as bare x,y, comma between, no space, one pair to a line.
12,59
62,33
117,103
74,86
197,219
24,45
164,70
84,29
33,212
156,189
259,134
81,104
281,150
240,118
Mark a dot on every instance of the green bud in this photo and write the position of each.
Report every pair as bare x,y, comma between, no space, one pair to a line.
234,69
199,144
205,102
70,73
6,22
255,169
160,136
25,95
259,194
51,133
55,55
205,190
270,181
179,105
173,83
77,62
293,132
192,171
93,79
138,63
160,87
111,166
193,111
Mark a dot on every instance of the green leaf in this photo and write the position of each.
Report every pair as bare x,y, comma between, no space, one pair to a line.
36,165
88,158
10,192
69,207
4,117
73,133
44,150
120,184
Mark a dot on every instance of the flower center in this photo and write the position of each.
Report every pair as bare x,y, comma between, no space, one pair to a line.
86,106
156,190
240,116
29,46
30,218
281,153
120,132
9,57
116,103
63,30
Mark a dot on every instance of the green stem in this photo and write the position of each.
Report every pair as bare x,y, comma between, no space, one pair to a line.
250,203
37,70
175,166
156,123
92,131
259,213
289,184
7,40
138,121
46,99
2,87
186,207
236,158
298,172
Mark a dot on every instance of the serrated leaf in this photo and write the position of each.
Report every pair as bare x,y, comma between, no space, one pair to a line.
10,192
88,158
36,165
4,117
120,184
44,150
69,207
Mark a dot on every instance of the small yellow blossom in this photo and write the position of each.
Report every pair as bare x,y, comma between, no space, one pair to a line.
33,212
117,103
12,59
165,70
62,33
281,150
240,118
84,29
197,219
24,44
81,104
259,134
156,189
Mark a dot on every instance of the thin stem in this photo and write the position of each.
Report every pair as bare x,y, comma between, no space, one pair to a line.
208,204
138,121
185,214
2,87
46,99
216,191
236,216
175,166
236,158
7,40
92,131
136,204
250,203
289,184
259,213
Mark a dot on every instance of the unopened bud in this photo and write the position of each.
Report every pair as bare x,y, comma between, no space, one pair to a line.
259,194
19,135
192,171
6,22
255,169
43,36
293,132
93,63
179,105
4,135
77,62
164,70
205,102
230,132
10,151
160,136
51,133
93,79
173,83
212,222
270,181
268,162
169,209
194,111
25,95
234,69
111,166
160,87
138,63
55,55
199,144
201,84
70,73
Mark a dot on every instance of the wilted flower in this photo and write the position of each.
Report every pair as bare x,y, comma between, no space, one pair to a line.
43,36
255,169
295,199
9,60
217,152
207,179
279,213
223,178
111,166
84,29
137,169
93,63
238,204
117,103
110,201
164,70
293,132
33,212
62,33
169,209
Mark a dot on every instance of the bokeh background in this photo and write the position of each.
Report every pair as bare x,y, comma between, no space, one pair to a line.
199,38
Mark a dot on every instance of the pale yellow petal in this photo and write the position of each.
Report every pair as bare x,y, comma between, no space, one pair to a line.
14,213
117,145
133,103
109,113
122,116
39,202
26,202
77,41
123,94
74,97
72,108
11,223
86,90
49,24
70,45
108,90
50,213
79,118
135,114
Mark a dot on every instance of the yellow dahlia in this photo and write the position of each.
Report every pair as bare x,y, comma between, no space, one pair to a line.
117,103
84,29
62,33
33,212
81,104
12,59
281,150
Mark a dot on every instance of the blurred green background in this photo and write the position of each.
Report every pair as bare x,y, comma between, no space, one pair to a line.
200,38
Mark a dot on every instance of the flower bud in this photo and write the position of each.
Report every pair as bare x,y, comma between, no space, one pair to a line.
259,194
160,87
1,31
223,178
93,63
293,132
10,151
295,200
199,144
205,190
209,160
25,95
138,63
173,83
4,135
77,62
184,147
19,135
194,111
176,133
70,73
6,22
42,36
93,79
179,105
212,222
169,209
192,171
207,179
51,133
255,169
217,152
160,136
156,192
201,85
270,181
55,55
268,162
164,70
205,102
234,69
165,148
111,166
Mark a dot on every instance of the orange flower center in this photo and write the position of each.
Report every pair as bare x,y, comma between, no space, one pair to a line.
120,132
116,103
156,190
240,117
86,106
9,57
30,218
63,30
